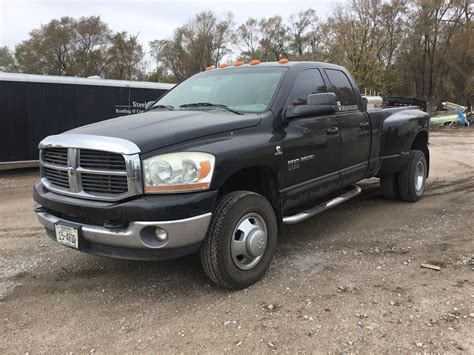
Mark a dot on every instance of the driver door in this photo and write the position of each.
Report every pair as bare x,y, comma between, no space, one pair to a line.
311,145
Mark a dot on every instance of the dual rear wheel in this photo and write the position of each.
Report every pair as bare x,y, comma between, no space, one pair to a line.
409,183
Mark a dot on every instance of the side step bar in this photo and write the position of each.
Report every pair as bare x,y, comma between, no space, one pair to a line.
322,207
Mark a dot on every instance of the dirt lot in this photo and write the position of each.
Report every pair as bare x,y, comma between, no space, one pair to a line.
347,280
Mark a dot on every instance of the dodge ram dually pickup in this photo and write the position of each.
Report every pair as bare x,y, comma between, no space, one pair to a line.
221,162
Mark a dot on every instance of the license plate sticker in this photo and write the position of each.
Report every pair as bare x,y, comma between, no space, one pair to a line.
67,235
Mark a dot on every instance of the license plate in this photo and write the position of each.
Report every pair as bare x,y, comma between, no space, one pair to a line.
67,235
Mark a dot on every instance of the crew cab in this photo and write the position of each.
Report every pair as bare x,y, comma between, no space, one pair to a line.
221,162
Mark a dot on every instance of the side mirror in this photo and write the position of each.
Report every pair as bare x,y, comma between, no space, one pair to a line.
149,104
323,99
316,105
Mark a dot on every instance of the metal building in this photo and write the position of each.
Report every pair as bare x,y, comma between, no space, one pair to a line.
35,106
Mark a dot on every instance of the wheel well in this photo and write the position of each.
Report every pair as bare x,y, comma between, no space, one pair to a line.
421,143
261,180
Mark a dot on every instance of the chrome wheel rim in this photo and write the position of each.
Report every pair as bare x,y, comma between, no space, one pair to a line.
419,176
249,241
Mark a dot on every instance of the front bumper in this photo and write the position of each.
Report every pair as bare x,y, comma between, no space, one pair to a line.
122,229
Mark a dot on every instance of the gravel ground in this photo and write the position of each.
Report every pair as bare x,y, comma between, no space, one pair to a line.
347,280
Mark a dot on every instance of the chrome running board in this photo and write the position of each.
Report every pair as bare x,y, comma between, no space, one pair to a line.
297,218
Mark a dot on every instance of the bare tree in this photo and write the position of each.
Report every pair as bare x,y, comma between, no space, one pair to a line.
92,39
248,37
436,59
301,29
274,41
204,41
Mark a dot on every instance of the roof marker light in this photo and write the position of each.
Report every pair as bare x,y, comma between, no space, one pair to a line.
283,61
210,67
223,65
254,62
239,62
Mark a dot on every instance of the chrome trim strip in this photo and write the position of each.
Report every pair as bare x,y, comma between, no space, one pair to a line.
72,162
101,172
84,170
134,174
88,141
181,232
52,166
322,207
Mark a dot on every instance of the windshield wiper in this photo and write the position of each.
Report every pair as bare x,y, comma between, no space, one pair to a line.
208,104
169,107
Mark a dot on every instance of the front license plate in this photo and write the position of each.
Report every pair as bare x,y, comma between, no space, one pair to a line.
67,235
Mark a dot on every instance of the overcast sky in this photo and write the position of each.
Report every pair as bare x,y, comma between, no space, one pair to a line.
150,19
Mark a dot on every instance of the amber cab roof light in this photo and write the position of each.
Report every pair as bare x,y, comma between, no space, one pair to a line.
254,62
283,61
223,65
239,62
210,67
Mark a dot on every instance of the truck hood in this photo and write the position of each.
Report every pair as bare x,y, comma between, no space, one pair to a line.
157,129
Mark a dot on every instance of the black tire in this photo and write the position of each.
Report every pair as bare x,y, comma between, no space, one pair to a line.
216,256
389,187
408,187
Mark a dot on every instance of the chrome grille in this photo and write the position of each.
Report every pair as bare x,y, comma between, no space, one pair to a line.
104,184
57,177
56,156
91,173
93,159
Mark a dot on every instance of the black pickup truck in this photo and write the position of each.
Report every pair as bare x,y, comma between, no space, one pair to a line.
221,162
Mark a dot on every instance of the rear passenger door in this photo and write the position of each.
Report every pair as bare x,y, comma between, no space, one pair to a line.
354,128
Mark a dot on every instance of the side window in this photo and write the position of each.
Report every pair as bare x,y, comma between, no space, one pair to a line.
307,82
342,87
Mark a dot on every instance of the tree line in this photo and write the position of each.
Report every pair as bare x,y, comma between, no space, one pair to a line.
76,47
420,48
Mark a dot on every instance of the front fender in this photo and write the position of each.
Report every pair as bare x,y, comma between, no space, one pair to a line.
234,151
244,152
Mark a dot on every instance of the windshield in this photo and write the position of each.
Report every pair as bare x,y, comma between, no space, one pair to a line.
241,89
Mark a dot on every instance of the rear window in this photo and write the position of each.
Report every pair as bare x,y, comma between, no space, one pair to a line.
343,89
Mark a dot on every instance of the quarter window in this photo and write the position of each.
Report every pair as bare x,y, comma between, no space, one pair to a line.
307,82
343,89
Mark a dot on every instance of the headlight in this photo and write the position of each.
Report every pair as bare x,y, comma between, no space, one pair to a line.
178,172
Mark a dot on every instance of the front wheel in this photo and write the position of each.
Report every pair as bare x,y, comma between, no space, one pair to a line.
241,240
412,178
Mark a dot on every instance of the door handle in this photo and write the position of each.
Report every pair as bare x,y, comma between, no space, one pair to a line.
332,130
364,125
